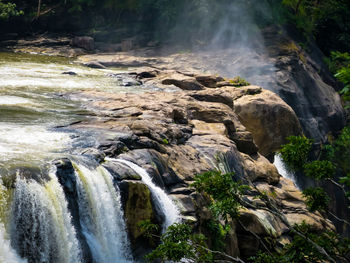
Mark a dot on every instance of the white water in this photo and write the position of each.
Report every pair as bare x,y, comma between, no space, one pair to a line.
7,253
167,206
283,170
101,215
41,227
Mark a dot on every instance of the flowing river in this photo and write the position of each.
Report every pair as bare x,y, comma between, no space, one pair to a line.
35,222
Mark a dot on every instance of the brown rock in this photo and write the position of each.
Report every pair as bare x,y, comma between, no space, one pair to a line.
183,82
268,118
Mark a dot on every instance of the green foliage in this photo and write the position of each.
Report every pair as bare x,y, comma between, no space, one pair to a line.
148,228
218,234
225,193
302,251
319,169
316,199
165,141
7,10
178,243
296,152
238,82
342,150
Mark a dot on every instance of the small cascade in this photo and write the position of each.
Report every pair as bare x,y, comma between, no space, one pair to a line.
101,215
41,228
283,170
163,201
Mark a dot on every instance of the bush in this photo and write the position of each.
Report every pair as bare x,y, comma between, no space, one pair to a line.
319,169
316,199
296,152
225,193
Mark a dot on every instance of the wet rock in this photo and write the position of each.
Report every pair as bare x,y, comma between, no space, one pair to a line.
66,176
138,206
71,73
84,42
121,172
94,154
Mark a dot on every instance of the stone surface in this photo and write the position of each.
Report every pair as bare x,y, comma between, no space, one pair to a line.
269,120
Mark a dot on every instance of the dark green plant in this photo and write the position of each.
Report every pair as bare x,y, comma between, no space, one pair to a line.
8,9
301,250
177,243
295,153
316,199
319,169
342,150
225,193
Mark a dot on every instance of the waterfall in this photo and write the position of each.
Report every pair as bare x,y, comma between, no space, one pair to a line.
163,201
101,215
283,170
7,253
41,228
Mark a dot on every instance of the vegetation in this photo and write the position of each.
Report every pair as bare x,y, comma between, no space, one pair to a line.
180,244
8,10
296,152
300,250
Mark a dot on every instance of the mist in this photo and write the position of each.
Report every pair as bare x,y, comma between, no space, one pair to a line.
227,36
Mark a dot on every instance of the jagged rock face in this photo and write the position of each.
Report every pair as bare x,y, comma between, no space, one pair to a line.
176,135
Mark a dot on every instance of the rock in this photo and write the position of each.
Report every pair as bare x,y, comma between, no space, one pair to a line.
84,42
245,142
66,176
208,80
71,73
94,64
268,118
183,82
259,168
138,206
121,172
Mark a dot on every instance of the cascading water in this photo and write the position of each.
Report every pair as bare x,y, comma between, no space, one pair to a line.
41,228
163,201
7,253
283,170
101,215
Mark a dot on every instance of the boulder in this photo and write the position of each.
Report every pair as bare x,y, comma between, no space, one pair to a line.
138,206
84,42
268,118
183,82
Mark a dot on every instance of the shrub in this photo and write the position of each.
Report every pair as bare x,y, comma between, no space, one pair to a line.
319,169
296,152
316,199
225,193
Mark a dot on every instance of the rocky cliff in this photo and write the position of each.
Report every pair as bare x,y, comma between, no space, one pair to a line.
198,123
